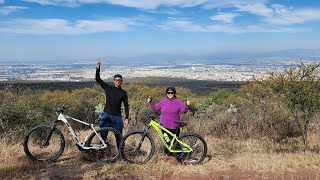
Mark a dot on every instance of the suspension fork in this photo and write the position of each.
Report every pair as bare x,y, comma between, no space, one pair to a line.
47,139
145,131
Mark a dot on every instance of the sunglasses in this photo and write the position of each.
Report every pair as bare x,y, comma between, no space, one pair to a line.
118,80
170,92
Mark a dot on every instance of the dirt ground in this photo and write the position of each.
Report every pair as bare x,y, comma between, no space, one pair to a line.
168,170
78,169
78,174
237,175
226,160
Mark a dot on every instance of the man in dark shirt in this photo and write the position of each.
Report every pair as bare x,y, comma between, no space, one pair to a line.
115,95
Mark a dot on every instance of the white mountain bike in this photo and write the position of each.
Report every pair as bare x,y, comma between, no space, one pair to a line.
45,143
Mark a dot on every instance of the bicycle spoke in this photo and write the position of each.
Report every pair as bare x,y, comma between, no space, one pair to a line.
134,152
44,144
106,154
199,149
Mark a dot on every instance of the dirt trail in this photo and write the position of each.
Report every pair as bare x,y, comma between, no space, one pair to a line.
61,173
226,161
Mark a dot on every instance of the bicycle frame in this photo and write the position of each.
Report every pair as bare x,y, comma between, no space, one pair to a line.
169,145
64,119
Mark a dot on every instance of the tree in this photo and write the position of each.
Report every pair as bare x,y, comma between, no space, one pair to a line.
214,100
299,87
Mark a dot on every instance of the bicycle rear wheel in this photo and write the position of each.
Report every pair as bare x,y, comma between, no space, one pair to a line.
111,138
197,143
137,147
44,143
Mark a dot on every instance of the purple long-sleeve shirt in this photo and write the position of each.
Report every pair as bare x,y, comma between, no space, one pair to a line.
170,111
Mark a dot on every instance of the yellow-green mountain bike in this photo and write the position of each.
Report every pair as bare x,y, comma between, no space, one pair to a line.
138,146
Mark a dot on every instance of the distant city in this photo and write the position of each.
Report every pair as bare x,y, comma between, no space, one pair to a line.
191,70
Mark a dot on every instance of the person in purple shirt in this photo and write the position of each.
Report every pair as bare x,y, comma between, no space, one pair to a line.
170,108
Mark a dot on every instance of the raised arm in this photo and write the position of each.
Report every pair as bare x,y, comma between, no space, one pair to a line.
104,85
184,107
154,107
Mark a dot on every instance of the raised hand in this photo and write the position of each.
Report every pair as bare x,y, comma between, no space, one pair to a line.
98,64
188,102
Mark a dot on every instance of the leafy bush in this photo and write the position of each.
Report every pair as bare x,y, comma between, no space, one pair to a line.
261,112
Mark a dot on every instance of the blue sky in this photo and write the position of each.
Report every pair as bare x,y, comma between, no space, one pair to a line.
80,30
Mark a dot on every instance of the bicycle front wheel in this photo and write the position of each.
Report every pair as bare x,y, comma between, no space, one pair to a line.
44,143
137,147
111,138
197,143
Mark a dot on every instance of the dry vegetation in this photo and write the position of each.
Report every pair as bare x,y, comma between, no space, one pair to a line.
251,157
259,139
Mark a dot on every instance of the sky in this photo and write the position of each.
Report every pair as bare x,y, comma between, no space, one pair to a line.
80,30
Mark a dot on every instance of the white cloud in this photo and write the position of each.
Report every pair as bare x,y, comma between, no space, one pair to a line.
262,10
230,3
281,15
5,10
225,17
181,25
256,9
275,13
141,4
70,3
61,26
152,4
165,11
288,16
189,26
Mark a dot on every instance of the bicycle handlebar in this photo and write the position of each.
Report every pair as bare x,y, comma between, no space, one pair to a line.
61,109
151,116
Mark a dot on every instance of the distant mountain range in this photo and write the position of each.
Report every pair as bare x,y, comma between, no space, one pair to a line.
272,57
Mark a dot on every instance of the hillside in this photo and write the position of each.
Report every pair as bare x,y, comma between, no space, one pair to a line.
250,132
196,86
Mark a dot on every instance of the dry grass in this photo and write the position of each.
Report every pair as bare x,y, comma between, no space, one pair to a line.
260,155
